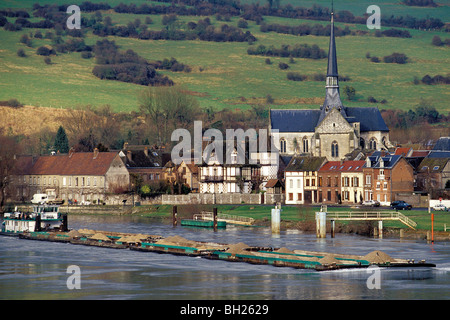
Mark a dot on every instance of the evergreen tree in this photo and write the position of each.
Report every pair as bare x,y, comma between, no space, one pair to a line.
61,141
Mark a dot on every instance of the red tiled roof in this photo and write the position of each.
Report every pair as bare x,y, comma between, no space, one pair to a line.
79,163
345,166
402,151
420,153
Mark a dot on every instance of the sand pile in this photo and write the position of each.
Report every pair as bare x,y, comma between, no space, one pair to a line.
328,259
178,241
74,234
378,257
100,236
237,248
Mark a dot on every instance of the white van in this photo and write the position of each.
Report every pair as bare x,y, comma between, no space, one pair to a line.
39,198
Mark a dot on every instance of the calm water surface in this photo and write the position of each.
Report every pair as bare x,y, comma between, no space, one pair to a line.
37,270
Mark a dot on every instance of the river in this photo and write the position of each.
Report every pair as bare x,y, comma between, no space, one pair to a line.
38,269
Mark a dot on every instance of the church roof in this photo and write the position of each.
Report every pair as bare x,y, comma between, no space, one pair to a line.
442,144
370,119
294,120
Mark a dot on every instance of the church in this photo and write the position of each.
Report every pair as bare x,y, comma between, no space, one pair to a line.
333,131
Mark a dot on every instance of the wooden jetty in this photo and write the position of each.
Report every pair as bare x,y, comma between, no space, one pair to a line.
239,252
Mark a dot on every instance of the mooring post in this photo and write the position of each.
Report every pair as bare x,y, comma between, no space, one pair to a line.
380,229
432,228
215,218
276,218
332,228
174,215
321,224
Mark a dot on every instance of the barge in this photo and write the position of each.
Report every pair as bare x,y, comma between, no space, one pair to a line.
239,252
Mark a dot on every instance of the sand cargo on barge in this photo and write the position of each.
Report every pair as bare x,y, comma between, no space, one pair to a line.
239,252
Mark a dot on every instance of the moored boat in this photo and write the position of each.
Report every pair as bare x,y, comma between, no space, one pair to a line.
41,218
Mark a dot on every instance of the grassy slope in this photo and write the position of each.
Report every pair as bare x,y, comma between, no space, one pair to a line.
228,72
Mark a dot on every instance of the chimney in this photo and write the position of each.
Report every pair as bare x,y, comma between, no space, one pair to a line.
95,153
129,155
368,162
71,152
146,151
125,145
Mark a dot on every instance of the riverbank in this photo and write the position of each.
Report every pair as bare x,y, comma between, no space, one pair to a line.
292,217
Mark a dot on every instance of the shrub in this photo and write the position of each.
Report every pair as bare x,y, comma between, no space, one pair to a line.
295,76
21,53
375,59
47,60
13,103
45,51
437,41
242,24
283,66
396,57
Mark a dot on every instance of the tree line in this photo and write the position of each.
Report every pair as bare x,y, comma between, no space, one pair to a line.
295,51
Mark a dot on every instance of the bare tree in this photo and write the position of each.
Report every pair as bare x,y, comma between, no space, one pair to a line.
8,151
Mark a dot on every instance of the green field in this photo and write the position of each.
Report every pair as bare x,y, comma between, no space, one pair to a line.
224,75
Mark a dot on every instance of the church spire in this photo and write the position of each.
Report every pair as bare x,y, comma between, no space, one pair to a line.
332,97
332,70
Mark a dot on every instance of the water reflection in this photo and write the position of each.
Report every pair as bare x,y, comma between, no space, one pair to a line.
37,270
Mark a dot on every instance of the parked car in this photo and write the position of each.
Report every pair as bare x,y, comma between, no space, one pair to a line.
440,207
371,203
400,205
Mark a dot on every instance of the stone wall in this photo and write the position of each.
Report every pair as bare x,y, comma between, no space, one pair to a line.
222,198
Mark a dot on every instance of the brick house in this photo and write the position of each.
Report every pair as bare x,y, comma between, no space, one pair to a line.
341,182
385,176
80,176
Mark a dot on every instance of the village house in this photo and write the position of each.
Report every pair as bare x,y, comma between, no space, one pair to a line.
386,176
76,176
433,174
144,163
301,179
341,182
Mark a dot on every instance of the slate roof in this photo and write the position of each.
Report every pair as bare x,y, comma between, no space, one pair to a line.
305,163
389,161
442,144
294,120
439,154
77,163
297,120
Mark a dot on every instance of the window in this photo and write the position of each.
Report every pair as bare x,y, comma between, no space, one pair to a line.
305,145
356,182
307,182
291,183
334,149
88,181
291,196
368,179
320,181
283,145
64,181
436,168
299,197
373,144
313,182
299,183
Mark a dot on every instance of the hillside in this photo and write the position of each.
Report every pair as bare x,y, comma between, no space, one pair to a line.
222,74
